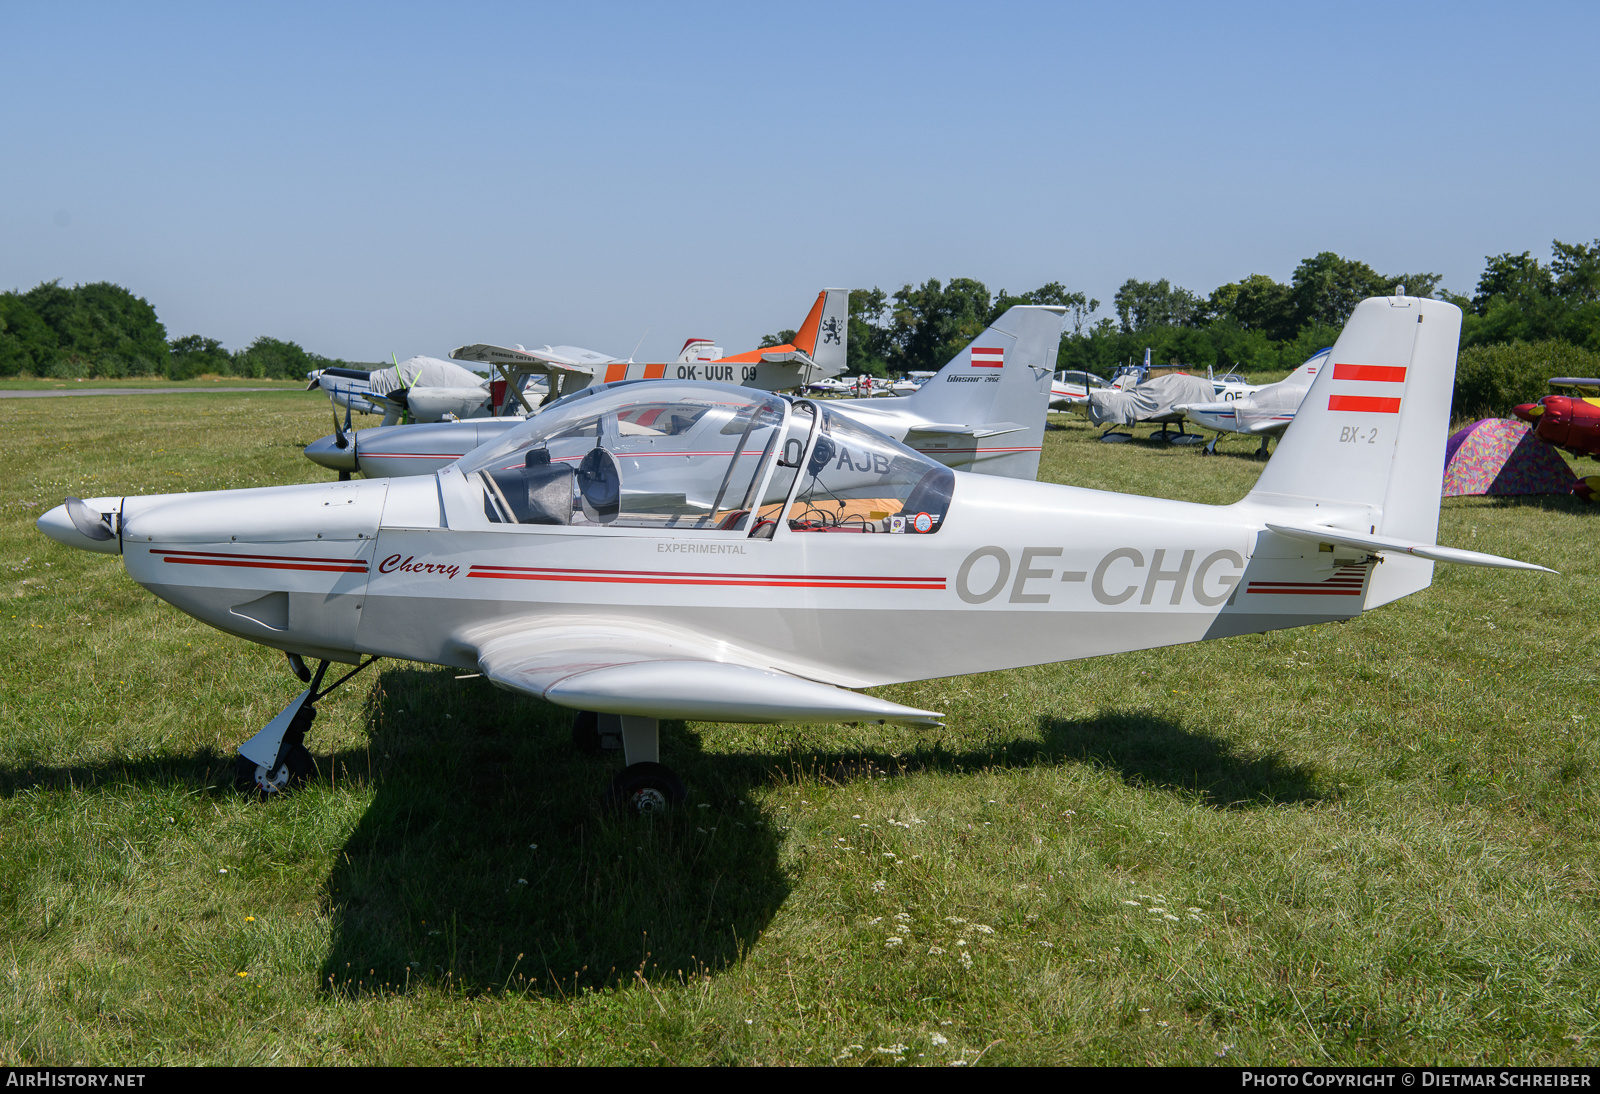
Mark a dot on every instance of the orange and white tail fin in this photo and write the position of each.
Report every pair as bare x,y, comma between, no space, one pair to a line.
822,336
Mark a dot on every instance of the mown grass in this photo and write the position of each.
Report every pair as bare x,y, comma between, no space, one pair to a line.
199,383
1370,842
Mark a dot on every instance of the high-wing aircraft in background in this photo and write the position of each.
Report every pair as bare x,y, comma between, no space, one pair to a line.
818,351
1263,412
723,554
984,411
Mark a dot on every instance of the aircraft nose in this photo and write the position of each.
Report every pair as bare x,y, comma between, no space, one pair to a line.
327,452
84,525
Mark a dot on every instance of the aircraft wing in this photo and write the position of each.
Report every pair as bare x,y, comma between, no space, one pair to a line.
624,670
1589,385
501,355
1319,533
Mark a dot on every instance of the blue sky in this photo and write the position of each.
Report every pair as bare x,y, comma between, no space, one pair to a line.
367,179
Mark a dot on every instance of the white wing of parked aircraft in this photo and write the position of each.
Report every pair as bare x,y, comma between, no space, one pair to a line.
722,554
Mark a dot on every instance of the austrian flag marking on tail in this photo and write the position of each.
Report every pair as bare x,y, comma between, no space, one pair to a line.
1368,374
988,357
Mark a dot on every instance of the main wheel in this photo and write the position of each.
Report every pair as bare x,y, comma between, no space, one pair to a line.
645,789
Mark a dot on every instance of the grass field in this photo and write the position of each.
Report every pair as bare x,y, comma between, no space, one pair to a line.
1372,842
139,383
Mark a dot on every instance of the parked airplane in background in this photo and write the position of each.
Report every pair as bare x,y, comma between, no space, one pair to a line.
818,351
1571,421
612,556
1071,387
1263,412
418,389
426,389
1153,402
348,388
984,412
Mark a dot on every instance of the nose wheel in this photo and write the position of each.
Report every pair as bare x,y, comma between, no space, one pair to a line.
297,765
277,757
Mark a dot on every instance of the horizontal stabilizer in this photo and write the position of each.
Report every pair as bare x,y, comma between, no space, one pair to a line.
789,357
993,429
1317,533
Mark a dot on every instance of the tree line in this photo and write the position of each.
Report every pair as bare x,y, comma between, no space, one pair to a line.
1527,320
1255,323
103,330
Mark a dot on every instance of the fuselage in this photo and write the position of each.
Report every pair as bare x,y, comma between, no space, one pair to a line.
1018,573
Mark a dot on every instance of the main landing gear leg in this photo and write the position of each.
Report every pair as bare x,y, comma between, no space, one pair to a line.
277,756
644,786
1262,451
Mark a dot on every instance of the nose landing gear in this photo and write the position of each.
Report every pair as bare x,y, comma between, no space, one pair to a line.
277,756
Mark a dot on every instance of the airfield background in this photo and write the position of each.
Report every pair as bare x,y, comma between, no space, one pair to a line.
1526,320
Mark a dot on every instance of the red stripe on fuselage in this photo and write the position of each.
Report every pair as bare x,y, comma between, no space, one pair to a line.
672,577
263,562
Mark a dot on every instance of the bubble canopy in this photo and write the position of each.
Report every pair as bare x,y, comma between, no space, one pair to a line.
716,457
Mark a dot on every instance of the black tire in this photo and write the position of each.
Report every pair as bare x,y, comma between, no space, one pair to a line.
301,766
586,733
645,789
244,775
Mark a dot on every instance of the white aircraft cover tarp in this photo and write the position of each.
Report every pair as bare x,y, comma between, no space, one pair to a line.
1149,400
423,372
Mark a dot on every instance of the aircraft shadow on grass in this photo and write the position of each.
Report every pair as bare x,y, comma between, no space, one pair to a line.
1150,751
487,862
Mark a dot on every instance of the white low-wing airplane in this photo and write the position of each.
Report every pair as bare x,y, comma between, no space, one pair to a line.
760,566
1071,388
1263,412
984,411
346,387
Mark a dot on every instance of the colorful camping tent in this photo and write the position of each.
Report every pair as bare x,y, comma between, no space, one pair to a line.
1500,456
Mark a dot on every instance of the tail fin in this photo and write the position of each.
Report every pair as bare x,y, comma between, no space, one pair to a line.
822,336
1307,372
997,390
816,352
699,349
1365,452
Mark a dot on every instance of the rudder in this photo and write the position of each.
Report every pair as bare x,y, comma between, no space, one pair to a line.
1366,449
999,389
